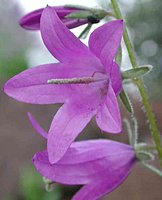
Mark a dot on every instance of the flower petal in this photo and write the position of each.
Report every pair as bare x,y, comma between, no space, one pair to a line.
78,174
31,85
105,40
37,126
31,21
86,161
90,150
63,44
108,116
69,121
98,188
116,79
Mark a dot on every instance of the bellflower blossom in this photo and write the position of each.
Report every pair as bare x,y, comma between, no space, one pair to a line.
31,21
87,81
99,165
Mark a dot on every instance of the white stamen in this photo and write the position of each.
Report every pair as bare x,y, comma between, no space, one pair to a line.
83,80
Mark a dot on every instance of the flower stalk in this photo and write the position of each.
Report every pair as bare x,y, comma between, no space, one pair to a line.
153,126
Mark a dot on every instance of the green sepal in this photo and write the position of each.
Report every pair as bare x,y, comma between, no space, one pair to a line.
136,72
144,155
79,14
97,14
126,102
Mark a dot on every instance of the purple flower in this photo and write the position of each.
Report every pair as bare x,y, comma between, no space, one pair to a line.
99,165
31,21
87,81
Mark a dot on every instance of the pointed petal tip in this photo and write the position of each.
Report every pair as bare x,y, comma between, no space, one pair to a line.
53,154
34,158
120,22
117,129
21,22
47,6
5,88
9,89
46,9
53,159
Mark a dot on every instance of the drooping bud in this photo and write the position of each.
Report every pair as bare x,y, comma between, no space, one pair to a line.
31,21
71,16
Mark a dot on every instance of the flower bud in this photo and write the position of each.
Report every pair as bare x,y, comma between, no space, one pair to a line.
31,21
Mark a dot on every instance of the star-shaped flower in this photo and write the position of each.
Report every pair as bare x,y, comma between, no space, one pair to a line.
87,81
31,21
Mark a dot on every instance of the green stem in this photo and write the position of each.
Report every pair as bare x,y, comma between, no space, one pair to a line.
85,31
153,126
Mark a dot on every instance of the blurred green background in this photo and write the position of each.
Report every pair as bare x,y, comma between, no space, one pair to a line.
20,49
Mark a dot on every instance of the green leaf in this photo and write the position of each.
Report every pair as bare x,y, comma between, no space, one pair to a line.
136,72
126,102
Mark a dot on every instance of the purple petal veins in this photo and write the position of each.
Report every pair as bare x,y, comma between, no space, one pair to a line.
87,81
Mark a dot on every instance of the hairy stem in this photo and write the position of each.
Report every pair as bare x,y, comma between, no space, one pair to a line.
151,118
